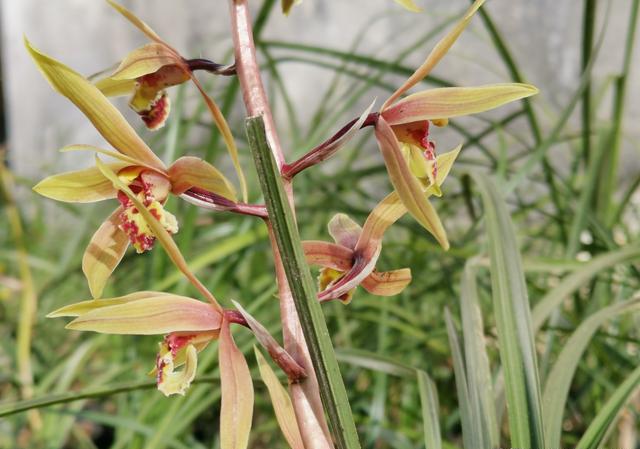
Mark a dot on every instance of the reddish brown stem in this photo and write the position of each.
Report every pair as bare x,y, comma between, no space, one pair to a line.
209,200
211,67
253,94
305,395
324,151
233,316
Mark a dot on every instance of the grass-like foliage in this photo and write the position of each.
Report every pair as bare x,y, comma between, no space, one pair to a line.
498,309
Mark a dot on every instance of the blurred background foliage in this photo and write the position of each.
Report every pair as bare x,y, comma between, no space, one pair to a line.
553,171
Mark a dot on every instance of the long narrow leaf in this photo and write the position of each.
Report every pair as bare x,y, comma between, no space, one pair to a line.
429,404
479,379
513,321
470,431
557,387
592,438
575,280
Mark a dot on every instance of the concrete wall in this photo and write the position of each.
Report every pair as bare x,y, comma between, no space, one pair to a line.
88,35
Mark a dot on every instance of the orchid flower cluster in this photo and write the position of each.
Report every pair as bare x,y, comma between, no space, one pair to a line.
140,183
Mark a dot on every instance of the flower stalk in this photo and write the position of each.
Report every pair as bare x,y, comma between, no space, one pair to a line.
332,389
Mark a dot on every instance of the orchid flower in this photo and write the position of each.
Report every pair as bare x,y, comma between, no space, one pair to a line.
350,262
402,128
148,71
137,168
189,326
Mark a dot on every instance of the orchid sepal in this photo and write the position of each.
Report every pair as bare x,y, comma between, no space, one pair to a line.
150,316
449,102
105,117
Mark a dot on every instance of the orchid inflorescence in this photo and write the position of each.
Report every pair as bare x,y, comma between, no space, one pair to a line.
141,184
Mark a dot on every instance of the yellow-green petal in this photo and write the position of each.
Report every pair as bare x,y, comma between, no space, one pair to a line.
281,403
115,88
447,102
189,171
444,162
387,283
80,186
105,117
80,308
114,154
407,185
160,233
236,410
104,252
150,316
144,60
438,52
386,213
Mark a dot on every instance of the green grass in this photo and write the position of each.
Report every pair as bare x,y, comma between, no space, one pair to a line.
507,339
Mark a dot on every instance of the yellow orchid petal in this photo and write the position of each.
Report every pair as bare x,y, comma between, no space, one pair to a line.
225,131
344,230
115,88
105,117
104,253
328,255
444,162
81,186
447,102
145,60
438,52
236,410
281,401
406,185
80,308
409,5
387,283
114,154
417,162
386,213
159,231
150,316
189,171
171,382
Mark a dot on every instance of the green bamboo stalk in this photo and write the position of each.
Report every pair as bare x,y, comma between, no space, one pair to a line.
332,389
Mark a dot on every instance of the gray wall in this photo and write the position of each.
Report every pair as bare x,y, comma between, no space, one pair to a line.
88,35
